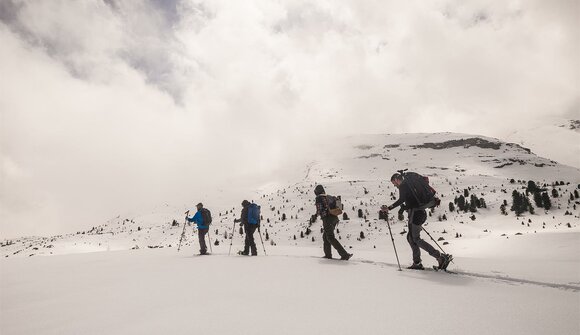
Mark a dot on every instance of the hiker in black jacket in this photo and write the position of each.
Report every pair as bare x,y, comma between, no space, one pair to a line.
417,217
329,223
249,243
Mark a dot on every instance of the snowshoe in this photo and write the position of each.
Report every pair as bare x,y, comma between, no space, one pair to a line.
444,261
346,257
416,266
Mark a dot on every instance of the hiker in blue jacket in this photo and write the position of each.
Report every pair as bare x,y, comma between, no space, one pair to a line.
202,228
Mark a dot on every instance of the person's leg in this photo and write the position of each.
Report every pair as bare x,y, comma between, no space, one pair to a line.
328,227
251,241
326,247
419,218
201,235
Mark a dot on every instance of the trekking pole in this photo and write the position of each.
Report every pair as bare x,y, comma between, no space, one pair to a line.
393,240
183,232
425,230
209,238
259,232
432,239
232,240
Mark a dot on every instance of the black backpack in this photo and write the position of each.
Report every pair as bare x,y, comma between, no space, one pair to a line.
421,190
334,205
206,216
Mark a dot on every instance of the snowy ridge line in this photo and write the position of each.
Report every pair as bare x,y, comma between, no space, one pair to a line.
570,287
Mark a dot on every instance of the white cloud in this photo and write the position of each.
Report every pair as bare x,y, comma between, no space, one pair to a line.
118,104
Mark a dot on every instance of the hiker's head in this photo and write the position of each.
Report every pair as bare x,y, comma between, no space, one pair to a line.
318,190
245,203
396,179
199,206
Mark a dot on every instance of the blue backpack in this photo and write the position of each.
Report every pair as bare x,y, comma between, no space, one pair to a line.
254,214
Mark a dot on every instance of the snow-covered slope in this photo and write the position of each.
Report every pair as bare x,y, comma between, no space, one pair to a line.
557,139
539,252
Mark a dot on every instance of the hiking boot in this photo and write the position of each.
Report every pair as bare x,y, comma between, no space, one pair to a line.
416,266
243,253
254,254
327,257
346,257
444,261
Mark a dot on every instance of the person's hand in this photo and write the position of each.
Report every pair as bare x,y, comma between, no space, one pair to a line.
384,208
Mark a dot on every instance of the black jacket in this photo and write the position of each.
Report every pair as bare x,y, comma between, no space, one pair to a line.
244,215
405,196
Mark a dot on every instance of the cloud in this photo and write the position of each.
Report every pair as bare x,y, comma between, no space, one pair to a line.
113,105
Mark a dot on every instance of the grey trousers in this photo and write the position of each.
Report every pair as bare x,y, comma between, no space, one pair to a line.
416,220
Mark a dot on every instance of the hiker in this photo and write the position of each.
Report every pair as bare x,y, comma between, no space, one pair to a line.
250,220
417,216
329,223
203,219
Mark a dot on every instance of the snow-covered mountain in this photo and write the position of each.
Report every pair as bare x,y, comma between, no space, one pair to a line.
557,139
357,168
505,264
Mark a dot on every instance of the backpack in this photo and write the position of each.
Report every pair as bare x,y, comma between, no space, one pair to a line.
253,214
421,190
206,216
334,205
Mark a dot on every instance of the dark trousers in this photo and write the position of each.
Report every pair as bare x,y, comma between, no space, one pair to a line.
201,235
249,243
328,238
416,220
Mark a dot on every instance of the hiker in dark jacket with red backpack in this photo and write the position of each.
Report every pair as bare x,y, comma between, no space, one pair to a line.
417,217
329,222
250,220
203,219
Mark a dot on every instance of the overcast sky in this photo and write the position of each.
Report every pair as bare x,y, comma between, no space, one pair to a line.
111,105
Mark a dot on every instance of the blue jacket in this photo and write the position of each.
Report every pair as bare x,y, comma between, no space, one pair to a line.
198,219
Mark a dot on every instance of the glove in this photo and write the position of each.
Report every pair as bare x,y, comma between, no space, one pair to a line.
384,208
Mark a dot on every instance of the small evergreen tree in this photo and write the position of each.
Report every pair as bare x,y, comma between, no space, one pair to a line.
554,193
538,199
451,207
546,201
517,203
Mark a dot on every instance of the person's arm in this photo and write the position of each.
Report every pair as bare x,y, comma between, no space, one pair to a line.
403,195
197,218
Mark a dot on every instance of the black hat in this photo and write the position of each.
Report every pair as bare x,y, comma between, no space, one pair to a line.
245,203
318,190
396,176
199,205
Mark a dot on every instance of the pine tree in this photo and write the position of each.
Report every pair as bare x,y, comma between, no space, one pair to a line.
473,204
554,193
538,199
461,203
517,203
532,187
546,201
451,207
